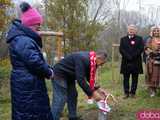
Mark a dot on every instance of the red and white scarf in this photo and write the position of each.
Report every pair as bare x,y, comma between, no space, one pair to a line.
92,57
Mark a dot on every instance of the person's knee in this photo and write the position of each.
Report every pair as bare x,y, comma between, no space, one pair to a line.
59,100
73,97
59,97
72,93
75,94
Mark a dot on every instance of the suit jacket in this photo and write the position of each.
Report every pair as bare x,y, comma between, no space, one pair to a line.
131,50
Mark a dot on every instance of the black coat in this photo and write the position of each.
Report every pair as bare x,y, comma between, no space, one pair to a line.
131,50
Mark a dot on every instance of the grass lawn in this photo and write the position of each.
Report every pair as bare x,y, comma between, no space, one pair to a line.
123,110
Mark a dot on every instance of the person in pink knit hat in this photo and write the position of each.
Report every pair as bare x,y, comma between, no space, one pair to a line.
29,96
31,17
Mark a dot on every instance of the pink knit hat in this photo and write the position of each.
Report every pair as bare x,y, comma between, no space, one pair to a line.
30,16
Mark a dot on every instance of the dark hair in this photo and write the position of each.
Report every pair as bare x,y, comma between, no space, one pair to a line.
24,6
102,54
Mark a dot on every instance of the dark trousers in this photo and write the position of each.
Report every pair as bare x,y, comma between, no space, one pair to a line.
126,84
64,93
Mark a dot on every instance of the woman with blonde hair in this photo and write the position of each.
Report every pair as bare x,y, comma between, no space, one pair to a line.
152,50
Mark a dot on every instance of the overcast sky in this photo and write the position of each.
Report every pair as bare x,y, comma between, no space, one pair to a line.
148,7
29,1
130,4
135,4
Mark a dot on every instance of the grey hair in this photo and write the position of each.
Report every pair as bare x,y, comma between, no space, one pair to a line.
133,26
102,54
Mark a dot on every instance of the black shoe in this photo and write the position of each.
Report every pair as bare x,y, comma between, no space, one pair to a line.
133,96
73,118
126,96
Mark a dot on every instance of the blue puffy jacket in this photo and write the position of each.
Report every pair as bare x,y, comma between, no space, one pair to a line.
28,90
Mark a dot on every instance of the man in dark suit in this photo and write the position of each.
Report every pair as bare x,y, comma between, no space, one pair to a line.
131,48
77,67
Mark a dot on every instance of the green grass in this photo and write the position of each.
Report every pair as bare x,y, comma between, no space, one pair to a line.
123,110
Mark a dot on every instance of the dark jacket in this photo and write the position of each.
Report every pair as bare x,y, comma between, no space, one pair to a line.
28,90
131,50
73,67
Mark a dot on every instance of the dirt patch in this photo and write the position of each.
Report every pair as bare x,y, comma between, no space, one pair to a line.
90,115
